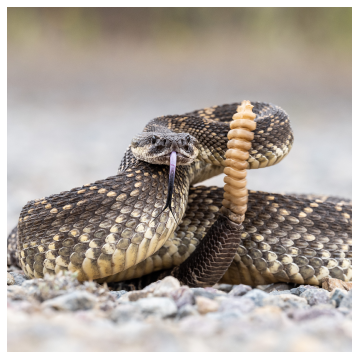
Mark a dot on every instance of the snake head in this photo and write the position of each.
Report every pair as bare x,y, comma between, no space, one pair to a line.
156,147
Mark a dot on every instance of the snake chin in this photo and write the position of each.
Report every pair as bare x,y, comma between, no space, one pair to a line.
156,148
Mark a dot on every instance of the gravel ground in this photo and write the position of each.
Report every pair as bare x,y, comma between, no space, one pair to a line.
60,314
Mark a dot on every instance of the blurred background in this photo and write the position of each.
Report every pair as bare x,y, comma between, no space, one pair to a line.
83,81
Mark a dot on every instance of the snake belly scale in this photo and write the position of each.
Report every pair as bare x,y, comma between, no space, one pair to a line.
114,229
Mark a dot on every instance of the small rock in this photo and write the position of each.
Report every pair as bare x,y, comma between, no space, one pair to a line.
285,301
239,290
242,304
257,296
186,310
270,316
118,293
204,292
126,312
347,300
337,296
205,305
162,307
19,277
166,286
331,283
277,287
276,292
76,300
10,279
302,288
16,292
183,296
223,287
161,288
227,316
312,313
315,296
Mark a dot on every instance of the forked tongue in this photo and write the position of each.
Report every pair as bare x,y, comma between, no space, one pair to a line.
171,182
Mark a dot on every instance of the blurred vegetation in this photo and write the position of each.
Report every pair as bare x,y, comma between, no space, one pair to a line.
169,28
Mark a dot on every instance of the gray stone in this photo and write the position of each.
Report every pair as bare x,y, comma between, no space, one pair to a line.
286,301
162,307
257,296
242,304
126,312
76,300
276,292
239,290
183,296
347,300
226,316
302,288
313,313
337,295
16,292
223,287
186,310
10,279
315,296
164,287
204,292
277,287
18,277
206,305
118,293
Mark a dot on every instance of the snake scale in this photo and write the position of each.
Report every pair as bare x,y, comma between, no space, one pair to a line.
116,229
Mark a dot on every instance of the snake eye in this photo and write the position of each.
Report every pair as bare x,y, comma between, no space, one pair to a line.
154,139
188,138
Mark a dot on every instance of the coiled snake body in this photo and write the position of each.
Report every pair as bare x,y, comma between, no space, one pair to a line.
115,229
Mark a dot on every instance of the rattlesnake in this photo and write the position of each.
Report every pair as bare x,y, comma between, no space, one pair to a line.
115,230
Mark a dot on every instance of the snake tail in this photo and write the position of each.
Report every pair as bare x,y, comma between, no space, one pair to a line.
211,259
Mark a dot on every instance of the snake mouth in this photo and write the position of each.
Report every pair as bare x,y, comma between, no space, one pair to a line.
181,160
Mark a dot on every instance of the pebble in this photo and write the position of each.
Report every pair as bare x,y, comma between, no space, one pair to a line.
205,305
299,290
224,287
257,296
77,300
59,313
159,307
10,279
187,310
337,295
312,313
205,292
18,277
183,296
275,287
126,312
118,293
285,301
315,296
331,283
241,304
347,301
239,290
